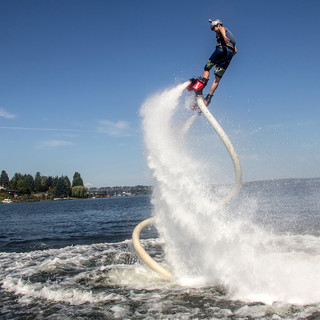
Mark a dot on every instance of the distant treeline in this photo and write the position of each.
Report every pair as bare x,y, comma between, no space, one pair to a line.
47,187
26,184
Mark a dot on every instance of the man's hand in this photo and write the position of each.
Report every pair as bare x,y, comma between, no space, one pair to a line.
235,50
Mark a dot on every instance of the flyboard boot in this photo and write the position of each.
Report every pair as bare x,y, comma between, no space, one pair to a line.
197,85
207,99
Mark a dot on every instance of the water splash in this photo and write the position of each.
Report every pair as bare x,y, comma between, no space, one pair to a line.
208,245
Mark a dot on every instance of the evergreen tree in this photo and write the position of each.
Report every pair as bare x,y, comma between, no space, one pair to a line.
61,187
14,181
44,186
77,180
22,186
4,180
45,183
49,182
23,183
37,182
67,186
56,188
29,183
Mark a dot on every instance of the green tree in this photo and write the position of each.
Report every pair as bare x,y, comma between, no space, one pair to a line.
49,182
67,186
45,183
44,186
29,182
23,183
4,180
61,187
14,181
79,192
22,186
37,182
77,180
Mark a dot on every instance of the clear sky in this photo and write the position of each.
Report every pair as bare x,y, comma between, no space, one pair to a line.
74,73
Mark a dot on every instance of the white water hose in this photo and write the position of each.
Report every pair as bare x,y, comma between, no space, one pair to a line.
167,275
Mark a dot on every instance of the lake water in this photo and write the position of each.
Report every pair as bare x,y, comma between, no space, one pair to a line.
256,257
75,260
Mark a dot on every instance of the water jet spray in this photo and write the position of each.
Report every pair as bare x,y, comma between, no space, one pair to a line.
167,275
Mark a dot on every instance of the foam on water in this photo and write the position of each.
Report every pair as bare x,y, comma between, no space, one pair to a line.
89,279
104,281
208,245
46,274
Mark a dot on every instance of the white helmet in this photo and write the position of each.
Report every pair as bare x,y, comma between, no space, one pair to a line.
214,23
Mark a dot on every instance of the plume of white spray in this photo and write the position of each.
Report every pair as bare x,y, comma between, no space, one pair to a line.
206,244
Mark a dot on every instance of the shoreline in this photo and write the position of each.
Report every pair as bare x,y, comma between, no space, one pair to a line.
38,199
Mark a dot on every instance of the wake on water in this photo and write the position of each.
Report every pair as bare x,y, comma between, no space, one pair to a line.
224,264
206,245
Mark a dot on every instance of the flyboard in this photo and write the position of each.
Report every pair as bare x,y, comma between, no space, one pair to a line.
167,275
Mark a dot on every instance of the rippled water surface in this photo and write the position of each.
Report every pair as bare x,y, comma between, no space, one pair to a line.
75,260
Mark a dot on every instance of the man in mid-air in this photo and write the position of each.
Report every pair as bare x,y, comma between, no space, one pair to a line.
220,58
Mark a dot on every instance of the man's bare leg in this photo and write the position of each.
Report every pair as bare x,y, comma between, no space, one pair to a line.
214,85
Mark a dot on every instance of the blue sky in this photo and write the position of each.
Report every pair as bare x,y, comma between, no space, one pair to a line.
74,74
